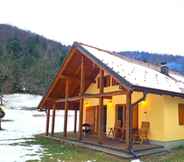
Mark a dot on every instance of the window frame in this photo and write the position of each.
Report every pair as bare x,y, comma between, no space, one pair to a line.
106,80
114,82
181,114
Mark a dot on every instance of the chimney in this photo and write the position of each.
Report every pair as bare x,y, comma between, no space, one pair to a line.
164,68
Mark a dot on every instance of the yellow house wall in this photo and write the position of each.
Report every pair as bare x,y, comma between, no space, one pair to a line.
152,110
173,131
160,111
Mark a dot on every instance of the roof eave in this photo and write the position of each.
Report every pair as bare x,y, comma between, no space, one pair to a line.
157,91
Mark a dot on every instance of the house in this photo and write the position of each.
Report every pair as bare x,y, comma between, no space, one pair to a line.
106,88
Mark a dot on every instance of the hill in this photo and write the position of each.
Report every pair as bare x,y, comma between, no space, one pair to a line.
28,61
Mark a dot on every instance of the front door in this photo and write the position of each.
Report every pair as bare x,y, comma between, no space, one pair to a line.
121,115
91,117
104,113
104,118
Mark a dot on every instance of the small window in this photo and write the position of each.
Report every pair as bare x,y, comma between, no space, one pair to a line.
98,82
181,114
106,80
114,82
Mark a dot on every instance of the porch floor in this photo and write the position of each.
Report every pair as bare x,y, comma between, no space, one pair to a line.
110,145
118,144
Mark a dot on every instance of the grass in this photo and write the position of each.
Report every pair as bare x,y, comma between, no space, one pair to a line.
57,152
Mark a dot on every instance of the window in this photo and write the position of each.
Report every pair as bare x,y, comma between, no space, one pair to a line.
106,79
114,82
98,82
181,114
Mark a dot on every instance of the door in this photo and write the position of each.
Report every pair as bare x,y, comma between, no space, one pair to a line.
104,118
121,115
91,116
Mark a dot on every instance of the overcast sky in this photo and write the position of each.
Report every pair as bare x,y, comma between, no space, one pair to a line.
144,25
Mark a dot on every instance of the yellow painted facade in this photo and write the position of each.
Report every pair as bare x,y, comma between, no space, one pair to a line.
160,111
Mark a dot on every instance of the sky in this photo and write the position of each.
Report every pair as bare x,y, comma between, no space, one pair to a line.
116,25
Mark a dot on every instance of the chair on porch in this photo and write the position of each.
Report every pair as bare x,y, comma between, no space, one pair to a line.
117,131
143,132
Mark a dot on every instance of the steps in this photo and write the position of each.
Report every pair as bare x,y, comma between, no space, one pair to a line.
160,150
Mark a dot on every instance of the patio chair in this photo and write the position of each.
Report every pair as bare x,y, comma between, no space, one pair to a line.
117,131
143,131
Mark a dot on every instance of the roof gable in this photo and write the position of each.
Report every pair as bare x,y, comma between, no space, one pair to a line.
131,75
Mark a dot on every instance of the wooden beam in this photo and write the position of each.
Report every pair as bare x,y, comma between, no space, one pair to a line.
53,119
69,99
129,121
77,73
76,98
100,114
66,108
75,121
69,77
104,94
82,87
51,100
47,122
89,79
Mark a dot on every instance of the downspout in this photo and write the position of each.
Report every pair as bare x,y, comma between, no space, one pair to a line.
130,149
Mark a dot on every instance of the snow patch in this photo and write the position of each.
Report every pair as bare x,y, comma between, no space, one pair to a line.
22,125
20,101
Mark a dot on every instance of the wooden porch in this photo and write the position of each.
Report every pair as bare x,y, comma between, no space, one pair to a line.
110,146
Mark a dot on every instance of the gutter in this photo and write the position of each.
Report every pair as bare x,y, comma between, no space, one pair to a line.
130,149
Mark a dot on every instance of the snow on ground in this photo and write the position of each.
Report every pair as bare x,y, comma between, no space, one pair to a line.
24,123
22,100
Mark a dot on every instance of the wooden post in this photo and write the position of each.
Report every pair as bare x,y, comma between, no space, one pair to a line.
66,108
100,114
75,121
82,86
47,121
129,121
53,119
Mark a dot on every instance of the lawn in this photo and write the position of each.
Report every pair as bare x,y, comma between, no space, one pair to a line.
56,152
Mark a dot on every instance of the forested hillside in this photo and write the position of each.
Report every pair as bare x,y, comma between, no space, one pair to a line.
28,62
